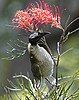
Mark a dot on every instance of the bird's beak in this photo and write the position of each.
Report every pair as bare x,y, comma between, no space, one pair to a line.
44,33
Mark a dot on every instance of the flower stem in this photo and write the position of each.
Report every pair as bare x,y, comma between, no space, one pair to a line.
59,45
58,58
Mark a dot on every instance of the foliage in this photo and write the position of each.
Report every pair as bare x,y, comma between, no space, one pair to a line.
24,89
16,50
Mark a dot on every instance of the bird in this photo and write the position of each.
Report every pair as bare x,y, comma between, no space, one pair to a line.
42,63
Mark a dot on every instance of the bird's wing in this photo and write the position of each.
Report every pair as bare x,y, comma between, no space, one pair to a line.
43,43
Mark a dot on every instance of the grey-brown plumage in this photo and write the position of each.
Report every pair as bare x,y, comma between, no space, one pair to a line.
42,63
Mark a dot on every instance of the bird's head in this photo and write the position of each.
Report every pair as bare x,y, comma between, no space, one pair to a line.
35,37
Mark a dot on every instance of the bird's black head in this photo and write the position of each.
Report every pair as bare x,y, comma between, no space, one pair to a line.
35,37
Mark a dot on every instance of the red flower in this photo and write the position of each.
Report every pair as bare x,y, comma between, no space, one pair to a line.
22,20
37,15
41,16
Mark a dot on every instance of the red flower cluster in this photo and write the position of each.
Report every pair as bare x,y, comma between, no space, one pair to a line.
37,15
22,20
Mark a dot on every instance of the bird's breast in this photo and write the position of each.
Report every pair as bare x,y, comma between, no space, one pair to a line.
41,59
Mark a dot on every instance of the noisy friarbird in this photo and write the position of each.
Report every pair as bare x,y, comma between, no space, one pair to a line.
42,63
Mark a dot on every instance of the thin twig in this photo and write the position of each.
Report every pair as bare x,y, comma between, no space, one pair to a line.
67,77
22,76
13,89
58,51
67,22
71,23
66,51
59,44
69,33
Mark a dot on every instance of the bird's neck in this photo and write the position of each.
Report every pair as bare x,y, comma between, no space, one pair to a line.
32,48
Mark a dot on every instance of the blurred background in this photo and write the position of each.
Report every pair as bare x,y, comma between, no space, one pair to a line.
69,62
